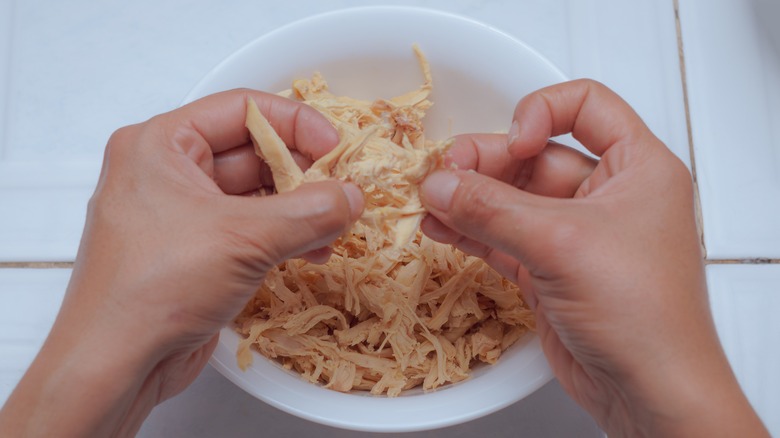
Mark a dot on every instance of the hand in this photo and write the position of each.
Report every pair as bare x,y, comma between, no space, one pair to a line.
606,252
169,255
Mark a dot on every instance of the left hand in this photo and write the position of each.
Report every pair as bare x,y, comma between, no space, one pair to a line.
169,256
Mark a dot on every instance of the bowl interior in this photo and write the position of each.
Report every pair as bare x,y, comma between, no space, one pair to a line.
479,74
521,370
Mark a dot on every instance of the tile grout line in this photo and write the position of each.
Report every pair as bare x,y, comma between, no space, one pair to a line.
692,155
755,261
69,265
697,199
35,265
691,152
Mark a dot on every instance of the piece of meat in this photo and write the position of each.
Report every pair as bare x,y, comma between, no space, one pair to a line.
391,310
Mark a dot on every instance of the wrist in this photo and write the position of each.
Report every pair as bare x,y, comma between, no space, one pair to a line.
87,380
702,401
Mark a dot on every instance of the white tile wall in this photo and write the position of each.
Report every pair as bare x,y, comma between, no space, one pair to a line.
733,82
213,406
30,300
72,72
745,301
77,70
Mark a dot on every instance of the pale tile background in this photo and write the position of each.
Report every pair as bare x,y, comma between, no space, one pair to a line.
72,72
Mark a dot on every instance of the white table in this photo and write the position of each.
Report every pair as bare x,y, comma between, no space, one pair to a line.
72,72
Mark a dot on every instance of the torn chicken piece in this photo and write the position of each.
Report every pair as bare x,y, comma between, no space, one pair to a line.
382,149
392,309
268,146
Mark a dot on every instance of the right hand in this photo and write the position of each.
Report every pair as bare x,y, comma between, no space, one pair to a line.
606,252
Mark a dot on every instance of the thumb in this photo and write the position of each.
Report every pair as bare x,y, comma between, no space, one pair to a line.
533,229
275,228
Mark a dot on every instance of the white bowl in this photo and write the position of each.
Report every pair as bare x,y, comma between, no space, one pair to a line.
479,74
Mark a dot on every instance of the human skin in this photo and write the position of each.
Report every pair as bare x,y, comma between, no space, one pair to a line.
607,253
169,255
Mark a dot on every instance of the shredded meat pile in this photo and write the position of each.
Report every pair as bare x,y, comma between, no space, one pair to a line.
392,309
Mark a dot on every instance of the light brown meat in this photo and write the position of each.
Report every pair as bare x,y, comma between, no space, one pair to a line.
392,309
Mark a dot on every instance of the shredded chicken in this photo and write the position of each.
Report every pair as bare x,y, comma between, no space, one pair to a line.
392,309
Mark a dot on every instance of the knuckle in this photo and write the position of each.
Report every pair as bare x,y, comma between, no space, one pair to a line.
590,87
589,83
124,142
678,171
120,137
680,179
669,172
242,91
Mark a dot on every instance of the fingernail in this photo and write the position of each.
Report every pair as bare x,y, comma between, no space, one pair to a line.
355,199
513,135
461,154
449,159
437,189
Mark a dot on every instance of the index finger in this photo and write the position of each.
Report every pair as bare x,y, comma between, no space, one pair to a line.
557,170
596,116
219,119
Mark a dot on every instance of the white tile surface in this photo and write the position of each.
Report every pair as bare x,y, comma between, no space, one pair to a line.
72,72
745,301
6,31
213,406
733,77
30,300
632,47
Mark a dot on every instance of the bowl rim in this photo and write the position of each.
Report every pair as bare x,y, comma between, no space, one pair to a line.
539,363
194,92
